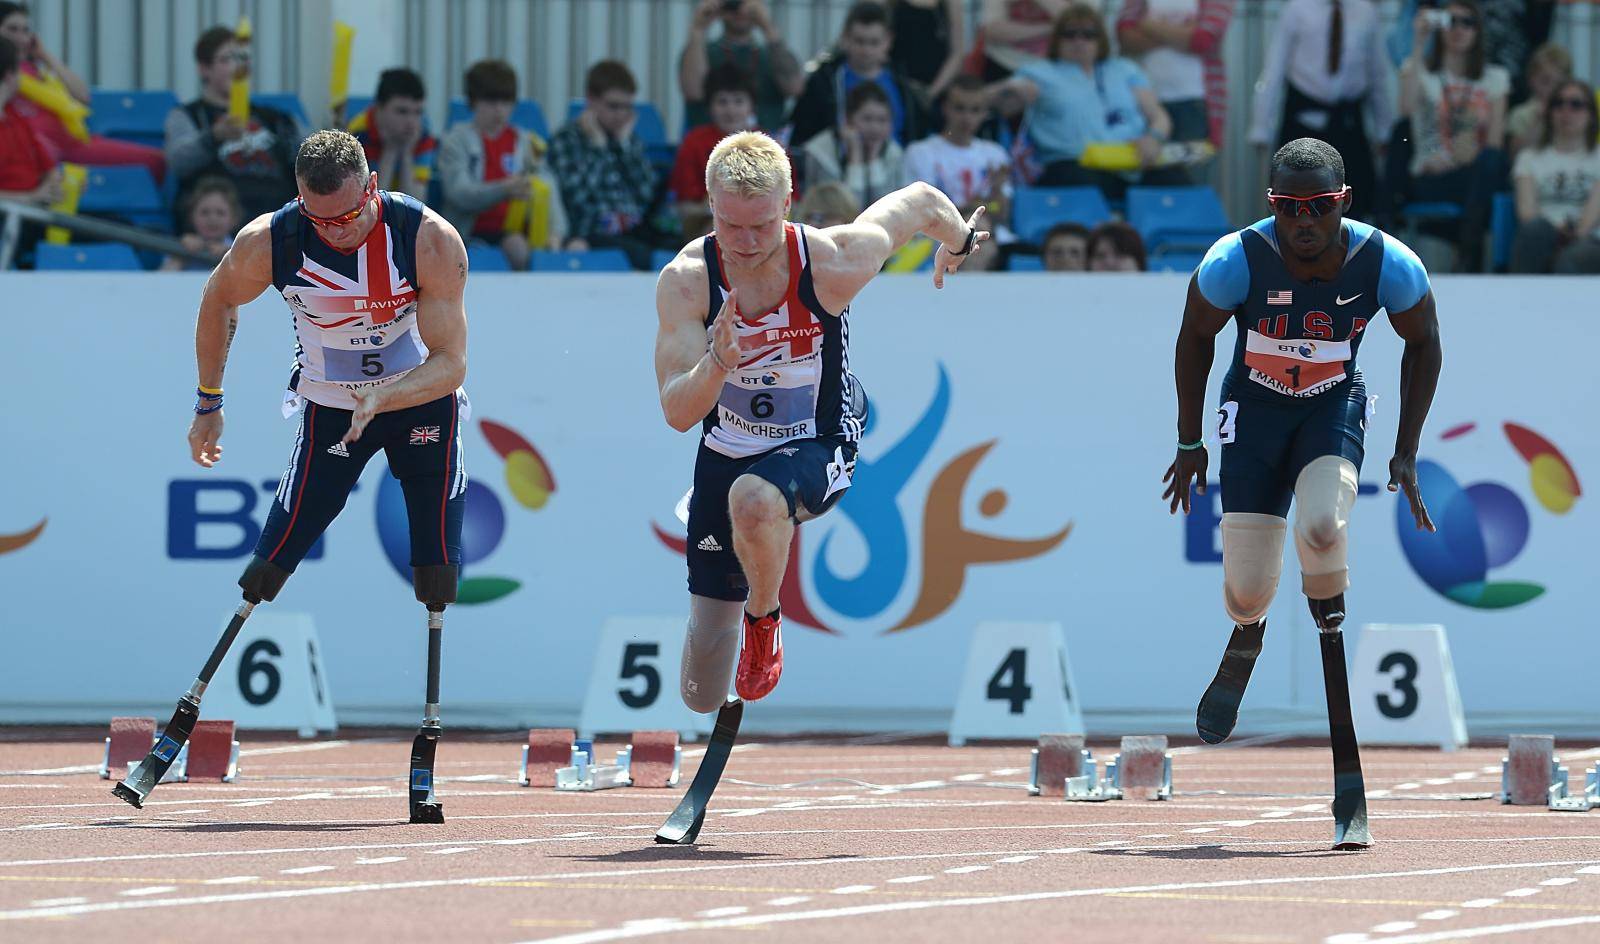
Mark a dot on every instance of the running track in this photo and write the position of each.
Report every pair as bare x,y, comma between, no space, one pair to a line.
881,838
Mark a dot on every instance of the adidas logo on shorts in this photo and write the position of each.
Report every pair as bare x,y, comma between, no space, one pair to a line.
338,449
709,543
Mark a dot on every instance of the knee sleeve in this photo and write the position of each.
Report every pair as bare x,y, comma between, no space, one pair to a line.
1323,496
262,580
709,651
1252,558
435,584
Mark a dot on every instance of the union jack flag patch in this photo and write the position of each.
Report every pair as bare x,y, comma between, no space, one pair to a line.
422,435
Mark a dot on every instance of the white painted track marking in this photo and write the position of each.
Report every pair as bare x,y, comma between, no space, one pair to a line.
965,869
306,870
1438,937
52,902
451,851
908,879
380,860
149,890
724,912
789,900
1521,892
1438,915
232,880
1558,881
1481,903
852,889
1393,927
1020,858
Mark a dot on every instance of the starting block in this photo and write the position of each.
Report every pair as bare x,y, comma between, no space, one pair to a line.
548,750
554,757
1058,758
584,776
655,759
131,739
1142,771
213,754
1531,774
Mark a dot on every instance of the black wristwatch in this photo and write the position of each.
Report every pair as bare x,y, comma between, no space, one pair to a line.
970,244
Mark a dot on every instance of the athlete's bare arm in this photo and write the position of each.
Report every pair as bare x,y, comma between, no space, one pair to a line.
845,258
441,321
1197,342
1419,377
244,273
690,372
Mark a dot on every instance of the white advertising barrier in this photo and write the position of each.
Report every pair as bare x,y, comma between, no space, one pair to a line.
1403,688
273,678
1011,471
634,683
1018,684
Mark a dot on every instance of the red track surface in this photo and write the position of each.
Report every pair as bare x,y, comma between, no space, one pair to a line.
311,845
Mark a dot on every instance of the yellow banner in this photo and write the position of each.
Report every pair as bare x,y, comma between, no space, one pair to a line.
73,178
344,36
51,94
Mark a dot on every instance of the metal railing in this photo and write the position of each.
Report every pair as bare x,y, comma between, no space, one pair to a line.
13,214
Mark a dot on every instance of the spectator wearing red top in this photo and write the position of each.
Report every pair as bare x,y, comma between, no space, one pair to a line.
63,145
27,172
1178,43
730,94
390,131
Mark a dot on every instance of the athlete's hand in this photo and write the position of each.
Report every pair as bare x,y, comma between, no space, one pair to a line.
366,409
1189,465
724,339
946,261
205,435
1403,477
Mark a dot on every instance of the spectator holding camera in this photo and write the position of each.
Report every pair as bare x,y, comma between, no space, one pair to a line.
773,68
1558,188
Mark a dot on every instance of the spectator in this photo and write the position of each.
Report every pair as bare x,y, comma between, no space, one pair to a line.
390,131
1116,247
777,73
731,93
1179,45
204,140
968,169
28,174
1456,102
1549,66
1510,29
607,181
933,39
1012,34
486,164
863,154
211,217
862,57
1082,95
1326,77
66,140
1066,248
1558,188
827,204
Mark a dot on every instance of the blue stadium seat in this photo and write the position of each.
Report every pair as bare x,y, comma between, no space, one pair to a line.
1024,262
1035,209
287,102
106,257
125,191
660,258
594,260
1177,216
1502,230
525,114
650,128
355,105
1185,262
131,115
1432,211
482,257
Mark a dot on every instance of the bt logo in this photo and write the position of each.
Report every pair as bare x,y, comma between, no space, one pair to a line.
215,519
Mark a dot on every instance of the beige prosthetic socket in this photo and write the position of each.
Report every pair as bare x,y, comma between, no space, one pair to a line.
1323,496
709,651
1252,559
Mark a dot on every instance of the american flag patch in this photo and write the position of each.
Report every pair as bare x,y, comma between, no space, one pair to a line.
422,435
1280,298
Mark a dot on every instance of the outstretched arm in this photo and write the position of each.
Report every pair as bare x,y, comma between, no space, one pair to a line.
1197,341
848,256
1419,377
244,273
441,321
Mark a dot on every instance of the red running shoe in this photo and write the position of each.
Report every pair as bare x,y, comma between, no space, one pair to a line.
761,656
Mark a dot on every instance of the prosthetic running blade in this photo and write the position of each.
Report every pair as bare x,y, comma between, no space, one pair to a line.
683,826
143,778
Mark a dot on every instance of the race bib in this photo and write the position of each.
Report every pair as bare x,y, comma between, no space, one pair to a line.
770,404
1295,367
373,359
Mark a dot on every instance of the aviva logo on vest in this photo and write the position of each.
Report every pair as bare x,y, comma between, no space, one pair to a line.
872,509
531,483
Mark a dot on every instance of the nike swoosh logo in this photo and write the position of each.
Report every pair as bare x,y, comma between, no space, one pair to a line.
1345,301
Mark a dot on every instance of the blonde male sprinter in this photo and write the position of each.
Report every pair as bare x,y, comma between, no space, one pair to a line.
753,346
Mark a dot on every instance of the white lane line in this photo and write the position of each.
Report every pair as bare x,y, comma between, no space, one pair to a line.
724,912
1115,842
1203,829
965,778
1437,937
964,869
149,890
451,851
1006,771
306,870
1481,903
294,748
1522,892
232,880
790,900
852,889
52,902
1393,927
908,879
380,860
1590,870
1349,937
573,835
1406,786
1438,915
244,803
1558,881
1277,814
1018,858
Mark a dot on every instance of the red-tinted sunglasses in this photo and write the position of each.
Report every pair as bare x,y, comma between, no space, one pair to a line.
1320,204
343,218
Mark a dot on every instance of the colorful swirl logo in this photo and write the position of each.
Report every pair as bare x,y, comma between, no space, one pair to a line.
20,540
531,483
1483,525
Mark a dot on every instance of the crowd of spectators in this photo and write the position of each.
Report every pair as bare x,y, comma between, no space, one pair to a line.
1462,102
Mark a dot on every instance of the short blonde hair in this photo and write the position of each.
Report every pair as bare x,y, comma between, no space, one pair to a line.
749,164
